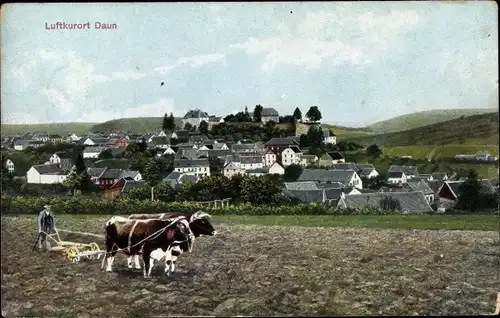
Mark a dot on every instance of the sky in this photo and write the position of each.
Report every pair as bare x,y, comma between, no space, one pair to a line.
359,62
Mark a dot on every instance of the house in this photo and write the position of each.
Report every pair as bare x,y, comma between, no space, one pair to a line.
243,147
55,138
214,120
368,173
45,174
439,176
257,172
269,158
251,162
197,167
41,136
195,117
109,177
177,179
269,114
428,177
291,155
409,171
421,186
9,165
95,141
220,154
119,142
450,190
74,137
231,169
331,158
131,175
276,168
21,144
122,188
329,137
159,142
406,202
63,159
346,177
277,145
92,152
308,160
168,151
397,177
95,174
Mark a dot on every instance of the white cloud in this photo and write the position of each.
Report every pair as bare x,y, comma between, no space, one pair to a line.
19,118
337,36
201,60
58,99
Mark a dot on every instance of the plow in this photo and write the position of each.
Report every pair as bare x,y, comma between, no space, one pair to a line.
73,251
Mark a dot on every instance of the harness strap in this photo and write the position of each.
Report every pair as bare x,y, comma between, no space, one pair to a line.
130,235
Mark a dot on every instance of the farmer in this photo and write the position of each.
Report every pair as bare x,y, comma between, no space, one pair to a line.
45,225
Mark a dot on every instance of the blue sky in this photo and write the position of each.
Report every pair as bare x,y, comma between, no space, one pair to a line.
360,62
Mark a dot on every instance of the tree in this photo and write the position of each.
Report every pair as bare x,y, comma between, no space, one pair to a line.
257,113
216,164
78,181
297,114
374,151
316,140
188,126
105,154
203,128
260,190
165,124
470,193
132,149
152,175
292,173
313,114
246,116
80,163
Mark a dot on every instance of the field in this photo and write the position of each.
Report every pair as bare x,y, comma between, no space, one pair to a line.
419,119
64,129
472,130
133,125
260,270
434,152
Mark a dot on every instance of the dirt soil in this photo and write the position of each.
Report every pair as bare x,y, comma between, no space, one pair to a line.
260,271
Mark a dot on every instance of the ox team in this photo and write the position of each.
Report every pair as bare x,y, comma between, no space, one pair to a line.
154,237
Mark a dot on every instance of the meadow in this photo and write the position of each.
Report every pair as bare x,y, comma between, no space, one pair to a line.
256,270
435,152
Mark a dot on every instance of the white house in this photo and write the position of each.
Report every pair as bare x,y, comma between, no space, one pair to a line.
329,137
168,151
251,162
308,160
197,167
291,155
195,117
45,174
9,165
92,152
276,168
397,177
269,114
74,137
232,169
20,144
368,173
270,158
214,120
133,174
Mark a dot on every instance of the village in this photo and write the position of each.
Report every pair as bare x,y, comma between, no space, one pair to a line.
328,178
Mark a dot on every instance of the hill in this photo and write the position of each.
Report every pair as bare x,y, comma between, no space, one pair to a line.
419,119
133,125
477,130
63,129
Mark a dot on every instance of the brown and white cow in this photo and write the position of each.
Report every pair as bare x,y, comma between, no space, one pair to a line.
198,222
134,237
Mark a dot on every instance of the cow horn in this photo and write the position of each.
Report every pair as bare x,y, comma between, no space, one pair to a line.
199,215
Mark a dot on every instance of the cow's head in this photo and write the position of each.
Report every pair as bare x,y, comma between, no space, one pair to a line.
200,224
180,231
